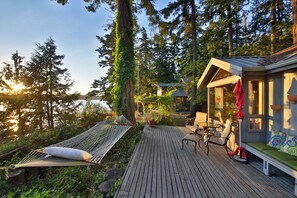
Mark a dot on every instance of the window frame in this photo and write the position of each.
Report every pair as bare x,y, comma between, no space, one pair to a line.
256,116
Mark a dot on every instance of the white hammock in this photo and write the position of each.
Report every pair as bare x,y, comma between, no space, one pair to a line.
97,140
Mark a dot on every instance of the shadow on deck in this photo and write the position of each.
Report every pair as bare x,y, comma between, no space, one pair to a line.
159,168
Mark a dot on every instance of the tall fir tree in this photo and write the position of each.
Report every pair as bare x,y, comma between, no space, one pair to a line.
13,95
48,81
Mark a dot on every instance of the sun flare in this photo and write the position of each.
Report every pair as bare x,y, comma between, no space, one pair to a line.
17,87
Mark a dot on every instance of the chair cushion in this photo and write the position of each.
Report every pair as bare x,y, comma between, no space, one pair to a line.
192,137
290,145
200,119
277,139
227,128
68,153
217,140
192,128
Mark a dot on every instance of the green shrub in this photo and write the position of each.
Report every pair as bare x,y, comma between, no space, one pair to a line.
163,106
91,115
82,181
9,146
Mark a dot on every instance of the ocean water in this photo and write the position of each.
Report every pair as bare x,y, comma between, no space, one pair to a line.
93,101
83,102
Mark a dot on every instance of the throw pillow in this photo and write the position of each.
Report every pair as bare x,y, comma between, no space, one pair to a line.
68,153
290,146
277,139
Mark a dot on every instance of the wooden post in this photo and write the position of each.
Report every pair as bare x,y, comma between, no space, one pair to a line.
266,168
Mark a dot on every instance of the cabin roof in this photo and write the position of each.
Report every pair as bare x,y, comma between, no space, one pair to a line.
179,93
168,85
280,61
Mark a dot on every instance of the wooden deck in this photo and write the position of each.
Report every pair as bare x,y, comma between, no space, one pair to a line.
159,168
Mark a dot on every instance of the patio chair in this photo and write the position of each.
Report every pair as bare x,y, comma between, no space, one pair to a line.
199,122
210,137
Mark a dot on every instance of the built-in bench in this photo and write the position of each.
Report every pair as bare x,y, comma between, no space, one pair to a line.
272,157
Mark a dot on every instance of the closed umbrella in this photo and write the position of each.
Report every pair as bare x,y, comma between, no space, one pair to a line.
238,90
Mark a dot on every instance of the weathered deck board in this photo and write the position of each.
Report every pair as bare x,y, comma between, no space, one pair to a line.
159,168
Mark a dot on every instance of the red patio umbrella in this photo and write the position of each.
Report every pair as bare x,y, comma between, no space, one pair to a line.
238,90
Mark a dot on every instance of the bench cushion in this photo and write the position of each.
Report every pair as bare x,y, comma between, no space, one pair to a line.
260,146
284,158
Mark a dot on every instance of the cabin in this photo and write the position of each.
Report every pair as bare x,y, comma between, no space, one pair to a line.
180,95
266,81
270,101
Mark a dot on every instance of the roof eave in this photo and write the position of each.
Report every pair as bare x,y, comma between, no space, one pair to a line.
282,66
214,62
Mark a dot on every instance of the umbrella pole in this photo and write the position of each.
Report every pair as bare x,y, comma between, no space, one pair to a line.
239,131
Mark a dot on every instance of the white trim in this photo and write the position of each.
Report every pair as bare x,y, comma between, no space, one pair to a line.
224,81
233,69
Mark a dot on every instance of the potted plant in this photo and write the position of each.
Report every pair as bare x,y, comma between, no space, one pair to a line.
153,117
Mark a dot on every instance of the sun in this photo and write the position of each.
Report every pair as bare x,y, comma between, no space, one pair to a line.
17,87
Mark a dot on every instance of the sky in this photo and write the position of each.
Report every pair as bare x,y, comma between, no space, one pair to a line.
23,23
26,22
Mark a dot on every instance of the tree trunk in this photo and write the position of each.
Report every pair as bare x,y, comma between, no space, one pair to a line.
124,62
272,33
51,104
194,48
294,32
48,109
230,29
40,109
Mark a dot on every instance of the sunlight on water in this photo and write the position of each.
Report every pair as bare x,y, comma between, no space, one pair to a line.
84,102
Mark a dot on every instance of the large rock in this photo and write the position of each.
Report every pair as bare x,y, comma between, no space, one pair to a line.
16,177
113,174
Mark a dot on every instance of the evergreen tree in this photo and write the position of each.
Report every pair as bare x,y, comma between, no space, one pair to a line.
294,10
163,60
13,95
102,87
181,23
271,22
144,57
48,82
124,70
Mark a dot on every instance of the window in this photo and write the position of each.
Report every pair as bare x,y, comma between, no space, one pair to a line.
256,104
222,102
